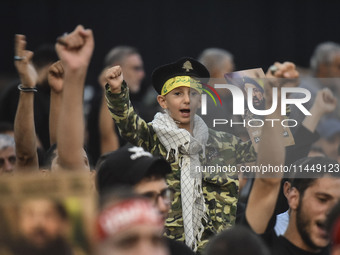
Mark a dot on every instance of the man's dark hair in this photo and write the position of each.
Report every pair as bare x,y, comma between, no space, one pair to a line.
6,127
301,182
154,174
44,55
238,240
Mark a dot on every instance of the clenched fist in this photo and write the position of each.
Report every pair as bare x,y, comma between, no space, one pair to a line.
28,74
325,101
75,49
114,77
56,77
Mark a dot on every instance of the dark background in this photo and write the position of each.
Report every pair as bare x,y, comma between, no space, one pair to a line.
256,32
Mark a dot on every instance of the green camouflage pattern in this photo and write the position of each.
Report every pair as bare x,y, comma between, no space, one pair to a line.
220,190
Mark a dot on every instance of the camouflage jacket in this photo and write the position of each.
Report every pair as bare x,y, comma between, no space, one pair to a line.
220,189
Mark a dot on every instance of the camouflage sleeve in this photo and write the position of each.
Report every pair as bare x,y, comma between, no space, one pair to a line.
133,128
245,152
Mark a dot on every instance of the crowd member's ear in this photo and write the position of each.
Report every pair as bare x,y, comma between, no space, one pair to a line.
286,188
162,102
293,198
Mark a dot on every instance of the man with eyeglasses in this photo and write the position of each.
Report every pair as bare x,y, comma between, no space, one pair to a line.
145,173
7,154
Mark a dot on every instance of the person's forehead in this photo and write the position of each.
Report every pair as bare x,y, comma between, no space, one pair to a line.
132,59
336,58
38,205
327,185
7,151
227,62
150,184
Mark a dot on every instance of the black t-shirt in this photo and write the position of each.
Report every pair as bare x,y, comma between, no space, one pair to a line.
279,245
178,248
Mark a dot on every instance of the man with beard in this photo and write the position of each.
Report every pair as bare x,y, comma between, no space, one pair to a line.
42,228
311,197
257,90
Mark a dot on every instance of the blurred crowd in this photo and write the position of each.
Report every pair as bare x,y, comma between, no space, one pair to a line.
140,153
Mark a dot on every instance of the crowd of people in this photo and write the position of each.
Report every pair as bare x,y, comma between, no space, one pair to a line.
151,198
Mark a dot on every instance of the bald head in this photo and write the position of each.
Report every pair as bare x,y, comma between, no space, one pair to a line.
217,61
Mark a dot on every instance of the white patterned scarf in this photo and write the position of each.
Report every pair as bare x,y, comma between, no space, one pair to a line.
180,140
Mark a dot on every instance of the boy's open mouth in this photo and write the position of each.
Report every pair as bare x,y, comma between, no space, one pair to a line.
185,112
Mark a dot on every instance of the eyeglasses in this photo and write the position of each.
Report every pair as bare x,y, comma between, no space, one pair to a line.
11,160
166,194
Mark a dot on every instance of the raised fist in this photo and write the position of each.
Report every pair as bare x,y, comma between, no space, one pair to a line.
75,49
28,74
325,101
56,77
114,77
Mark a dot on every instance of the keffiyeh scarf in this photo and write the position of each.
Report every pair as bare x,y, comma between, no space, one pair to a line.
181,141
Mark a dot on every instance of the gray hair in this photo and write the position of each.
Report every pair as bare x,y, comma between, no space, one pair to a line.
323,54
6,141
117,54
212,58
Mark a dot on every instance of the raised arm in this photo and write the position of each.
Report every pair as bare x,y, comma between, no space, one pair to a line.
133,128
263,196
75,51
108,137
24,128
324,103
114,77
55,80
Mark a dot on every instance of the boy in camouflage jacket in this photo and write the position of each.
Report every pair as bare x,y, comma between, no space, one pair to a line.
179,95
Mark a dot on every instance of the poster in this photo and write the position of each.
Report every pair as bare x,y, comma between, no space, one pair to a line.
46,214
254,79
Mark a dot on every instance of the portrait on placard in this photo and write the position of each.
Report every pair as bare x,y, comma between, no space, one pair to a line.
56,220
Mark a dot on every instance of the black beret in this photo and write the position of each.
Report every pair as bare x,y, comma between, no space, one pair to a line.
183,67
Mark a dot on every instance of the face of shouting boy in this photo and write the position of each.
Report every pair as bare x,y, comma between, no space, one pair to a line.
181,104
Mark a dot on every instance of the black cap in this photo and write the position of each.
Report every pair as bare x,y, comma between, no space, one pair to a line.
183,67
128,166
249,80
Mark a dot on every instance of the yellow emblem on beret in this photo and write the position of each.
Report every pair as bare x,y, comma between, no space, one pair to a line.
187,66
